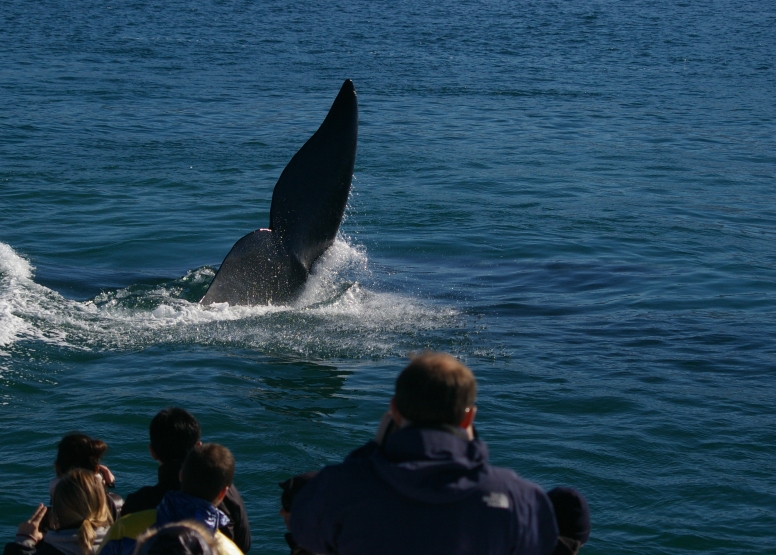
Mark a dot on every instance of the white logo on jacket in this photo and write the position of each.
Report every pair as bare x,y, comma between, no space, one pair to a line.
497,500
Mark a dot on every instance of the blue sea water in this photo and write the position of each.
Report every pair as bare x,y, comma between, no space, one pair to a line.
575,198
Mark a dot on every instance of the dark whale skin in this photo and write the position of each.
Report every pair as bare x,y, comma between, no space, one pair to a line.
270,266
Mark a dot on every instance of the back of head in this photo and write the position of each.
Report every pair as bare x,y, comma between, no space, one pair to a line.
79,451
434,389
79,502
207,470
571,513
178,538
174,432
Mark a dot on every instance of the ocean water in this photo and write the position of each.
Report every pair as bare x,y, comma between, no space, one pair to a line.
575,198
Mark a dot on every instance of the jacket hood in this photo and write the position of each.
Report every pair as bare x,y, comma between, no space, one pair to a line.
431,465
66,541
177,506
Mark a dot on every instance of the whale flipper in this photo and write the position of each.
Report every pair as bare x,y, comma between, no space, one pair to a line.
270,266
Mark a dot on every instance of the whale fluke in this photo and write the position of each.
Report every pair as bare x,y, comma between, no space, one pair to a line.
269,266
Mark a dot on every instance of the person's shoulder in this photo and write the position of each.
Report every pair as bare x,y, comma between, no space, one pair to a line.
524,492
225,545
41,548
233,498
45,548
353,469
349,468
536,529
130,526
147,497
362,453
510,478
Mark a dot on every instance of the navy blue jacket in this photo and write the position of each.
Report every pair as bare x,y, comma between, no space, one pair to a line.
425,491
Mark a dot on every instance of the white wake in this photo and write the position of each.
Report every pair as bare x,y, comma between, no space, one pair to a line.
335,315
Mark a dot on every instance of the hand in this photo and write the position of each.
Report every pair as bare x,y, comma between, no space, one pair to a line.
107,475
286,517
30,528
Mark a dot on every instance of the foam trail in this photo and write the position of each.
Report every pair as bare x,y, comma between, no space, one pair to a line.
15,278
335,315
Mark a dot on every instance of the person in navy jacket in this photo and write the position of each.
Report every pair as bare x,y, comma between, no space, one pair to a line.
426,487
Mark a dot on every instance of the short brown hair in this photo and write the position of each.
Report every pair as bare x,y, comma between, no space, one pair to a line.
435,388
207,469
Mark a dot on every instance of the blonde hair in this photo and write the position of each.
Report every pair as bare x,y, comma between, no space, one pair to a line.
79,500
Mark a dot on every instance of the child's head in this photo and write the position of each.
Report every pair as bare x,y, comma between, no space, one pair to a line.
207,471
79,451
79,502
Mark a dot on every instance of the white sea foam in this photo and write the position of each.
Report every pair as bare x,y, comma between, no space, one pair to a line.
335,315
15,279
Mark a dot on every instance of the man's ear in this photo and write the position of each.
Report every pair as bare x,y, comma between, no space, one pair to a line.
153,453
395,414
221,496
468,417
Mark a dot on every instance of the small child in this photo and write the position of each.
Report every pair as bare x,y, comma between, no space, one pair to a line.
79,517
78,450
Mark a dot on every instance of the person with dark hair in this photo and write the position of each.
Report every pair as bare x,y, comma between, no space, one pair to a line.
206,475
77,450
290,488
174,432
424,485
79,519
573,517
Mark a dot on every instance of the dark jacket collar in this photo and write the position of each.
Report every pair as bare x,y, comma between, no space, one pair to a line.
169,474
432,465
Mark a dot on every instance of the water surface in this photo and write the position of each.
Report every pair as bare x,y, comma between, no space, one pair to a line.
577,199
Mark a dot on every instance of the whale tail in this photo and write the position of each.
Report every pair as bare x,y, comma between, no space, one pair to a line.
270,266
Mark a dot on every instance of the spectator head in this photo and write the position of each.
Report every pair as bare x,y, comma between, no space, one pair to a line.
207,472
291,487
78,450
174,432
177,538
435,389
79,502
572,515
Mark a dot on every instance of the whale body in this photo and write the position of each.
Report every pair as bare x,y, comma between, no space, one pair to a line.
270,266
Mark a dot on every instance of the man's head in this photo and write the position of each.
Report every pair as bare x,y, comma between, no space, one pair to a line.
173,433
436,389
207,472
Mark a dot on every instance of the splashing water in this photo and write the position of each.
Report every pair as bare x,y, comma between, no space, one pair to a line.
335,315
